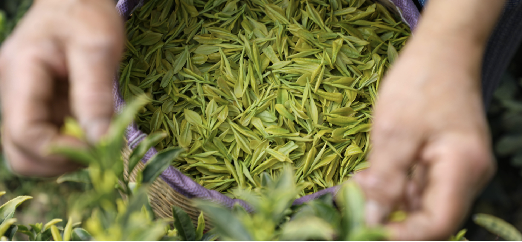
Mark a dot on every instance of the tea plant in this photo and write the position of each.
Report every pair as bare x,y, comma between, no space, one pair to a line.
115,208
274,217
185,230
122,213
7,220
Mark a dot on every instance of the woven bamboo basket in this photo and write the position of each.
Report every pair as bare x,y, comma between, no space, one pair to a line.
162,195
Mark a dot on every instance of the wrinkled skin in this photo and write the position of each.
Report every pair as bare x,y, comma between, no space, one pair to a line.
431,151
59,62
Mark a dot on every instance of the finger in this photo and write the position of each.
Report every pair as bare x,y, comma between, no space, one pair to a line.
27,91
384,183
22,163
454,178
92,62
415,186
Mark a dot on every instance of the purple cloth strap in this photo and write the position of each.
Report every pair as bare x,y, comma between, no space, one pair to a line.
185,185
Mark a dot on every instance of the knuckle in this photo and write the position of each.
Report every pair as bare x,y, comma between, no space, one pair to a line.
383,187
481,159
100,43
94,104
384,128
441,229
31,139
441,225
17,134
17,163
20,167
7,52
94,97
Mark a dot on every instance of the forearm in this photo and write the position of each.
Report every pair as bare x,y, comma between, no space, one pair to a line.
470,21
454,32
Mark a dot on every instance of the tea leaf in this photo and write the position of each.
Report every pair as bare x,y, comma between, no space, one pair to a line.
225,223
497,226
157,164
459,236
392,53
201,226
80,234
79,155
67,230
72,127
312,228
56,233
5,225
237,74
142,148
148,38
81,176
7,209
350,196
183,224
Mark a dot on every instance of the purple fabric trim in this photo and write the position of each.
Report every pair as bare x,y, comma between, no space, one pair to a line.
409,12
185,185
331,190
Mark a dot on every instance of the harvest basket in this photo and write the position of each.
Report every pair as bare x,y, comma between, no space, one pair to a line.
173,187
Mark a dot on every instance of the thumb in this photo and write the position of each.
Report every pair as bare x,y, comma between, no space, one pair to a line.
384,183
92,67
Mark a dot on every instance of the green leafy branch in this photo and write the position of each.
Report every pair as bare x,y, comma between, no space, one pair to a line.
276,219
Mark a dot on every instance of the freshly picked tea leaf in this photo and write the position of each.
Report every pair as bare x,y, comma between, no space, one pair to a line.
256,85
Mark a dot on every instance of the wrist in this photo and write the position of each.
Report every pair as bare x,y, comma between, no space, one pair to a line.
446,55
463,19
439,64
452,40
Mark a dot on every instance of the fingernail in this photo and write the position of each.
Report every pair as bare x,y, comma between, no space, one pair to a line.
96,129
374,213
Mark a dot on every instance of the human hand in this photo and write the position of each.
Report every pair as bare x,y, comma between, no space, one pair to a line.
59,62
429,120
430,143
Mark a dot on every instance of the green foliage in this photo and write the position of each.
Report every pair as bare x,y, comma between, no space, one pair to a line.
3,25
5,226
7,210
111,216
276,219
159,163
201,227
184,229
183,224
112,207
459,236
497,226
14,11
505,116
8,226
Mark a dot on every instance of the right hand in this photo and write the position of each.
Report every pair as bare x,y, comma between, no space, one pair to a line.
430,144
431,152
60,61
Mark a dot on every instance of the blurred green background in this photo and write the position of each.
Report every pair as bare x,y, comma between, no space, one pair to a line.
502,197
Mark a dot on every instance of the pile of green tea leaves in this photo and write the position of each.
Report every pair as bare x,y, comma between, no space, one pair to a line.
248,86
